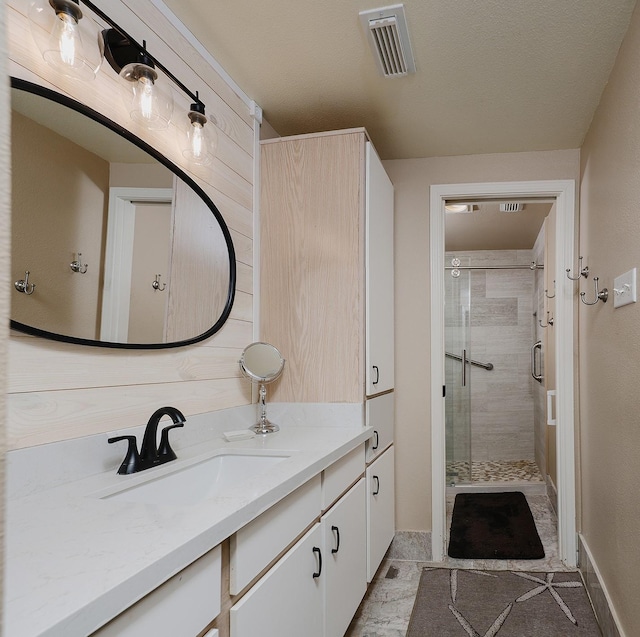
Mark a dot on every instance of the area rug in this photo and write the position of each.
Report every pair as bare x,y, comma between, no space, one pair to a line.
456,603
496,526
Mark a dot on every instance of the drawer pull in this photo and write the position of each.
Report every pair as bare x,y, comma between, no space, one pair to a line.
376,444
319,571
377,380
336,530
377,489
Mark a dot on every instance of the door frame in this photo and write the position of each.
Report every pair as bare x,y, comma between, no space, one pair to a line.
565,195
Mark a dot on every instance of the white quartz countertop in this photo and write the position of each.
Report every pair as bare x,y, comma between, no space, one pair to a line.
74,560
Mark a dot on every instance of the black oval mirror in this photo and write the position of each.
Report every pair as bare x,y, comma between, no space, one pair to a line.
122,248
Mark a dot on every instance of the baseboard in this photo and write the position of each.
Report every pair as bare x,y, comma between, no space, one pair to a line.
600,600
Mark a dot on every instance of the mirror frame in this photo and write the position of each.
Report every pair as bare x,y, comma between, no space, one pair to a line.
59,98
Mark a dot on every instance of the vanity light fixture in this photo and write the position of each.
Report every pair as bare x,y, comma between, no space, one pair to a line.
67,39
148,101
56,26
200,142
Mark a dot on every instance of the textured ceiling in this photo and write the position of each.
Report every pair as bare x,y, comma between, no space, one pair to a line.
492,75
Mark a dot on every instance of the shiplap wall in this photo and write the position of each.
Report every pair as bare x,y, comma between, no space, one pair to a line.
58,391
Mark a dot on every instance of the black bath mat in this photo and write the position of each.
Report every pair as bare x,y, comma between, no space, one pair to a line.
496,526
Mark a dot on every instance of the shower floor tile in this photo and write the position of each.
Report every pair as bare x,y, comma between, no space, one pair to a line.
504,471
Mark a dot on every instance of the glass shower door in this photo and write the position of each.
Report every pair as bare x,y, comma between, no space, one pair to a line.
457,372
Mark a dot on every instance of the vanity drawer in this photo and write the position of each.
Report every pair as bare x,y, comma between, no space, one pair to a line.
183,605
379,414
337,478
258,543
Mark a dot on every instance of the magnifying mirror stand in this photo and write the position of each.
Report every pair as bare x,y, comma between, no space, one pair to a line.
263,426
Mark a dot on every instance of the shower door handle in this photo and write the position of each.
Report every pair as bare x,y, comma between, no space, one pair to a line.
464,367
536,376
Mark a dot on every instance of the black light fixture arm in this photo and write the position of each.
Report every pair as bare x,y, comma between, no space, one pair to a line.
141,49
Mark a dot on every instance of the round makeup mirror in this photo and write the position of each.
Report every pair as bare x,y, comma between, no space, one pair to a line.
262,363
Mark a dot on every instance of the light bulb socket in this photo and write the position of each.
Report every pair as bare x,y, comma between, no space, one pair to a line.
67,7
196,114
120,52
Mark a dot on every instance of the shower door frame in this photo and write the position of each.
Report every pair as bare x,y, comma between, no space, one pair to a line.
564,193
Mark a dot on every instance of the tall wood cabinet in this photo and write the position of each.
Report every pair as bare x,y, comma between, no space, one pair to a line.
326,281
326,268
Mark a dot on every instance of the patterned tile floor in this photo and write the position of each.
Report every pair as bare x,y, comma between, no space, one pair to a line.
386,608
504,471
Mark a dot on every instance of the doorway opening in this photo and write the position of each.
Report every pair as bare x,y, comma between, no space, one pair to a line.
452,324
495,288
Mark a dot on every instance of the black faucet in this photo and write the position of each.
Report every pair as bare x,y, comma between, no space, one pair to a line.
151,455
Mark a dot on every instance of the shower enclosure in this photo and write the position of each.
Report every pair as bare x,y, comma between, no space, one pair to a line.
489,393
458,380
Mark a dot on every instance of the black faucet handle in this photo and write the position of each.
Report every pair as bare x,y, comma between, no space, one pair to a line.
131,462
164,449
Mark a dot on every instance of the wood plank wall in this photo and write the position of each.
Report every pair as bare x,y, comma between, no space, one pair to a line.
58,391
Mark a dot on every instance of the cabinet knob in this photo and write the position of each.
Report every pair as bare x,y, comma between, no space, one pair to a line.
377,371
377,489
319,554
377,442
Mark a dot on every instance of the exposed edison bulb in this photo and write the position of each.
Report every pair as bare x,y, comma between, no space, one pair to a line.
200,146
66,45
149,103
59,28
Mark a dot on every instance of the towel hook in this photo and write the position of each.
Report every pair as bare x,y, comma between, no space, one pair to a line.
554,291
583,272
549,322
601,295
156,284
24,286
78,266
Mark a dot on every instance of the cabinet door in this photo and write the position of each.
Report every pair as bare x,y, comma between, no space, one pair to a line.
288,600
380,509
345,558
379,414
379,276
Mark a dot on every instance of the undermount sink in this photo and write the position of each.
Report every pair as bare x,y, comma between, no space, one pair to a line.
197,482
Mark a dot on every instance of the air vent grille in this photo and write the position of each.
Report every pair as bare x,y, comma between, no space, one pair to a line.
511,207
389,40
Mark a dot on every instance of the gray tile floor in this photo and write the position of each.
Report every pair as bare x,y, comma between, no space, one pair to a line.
386,608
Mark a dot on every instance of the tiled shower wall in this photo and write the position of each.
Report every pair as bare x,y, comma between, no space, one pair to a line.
502,329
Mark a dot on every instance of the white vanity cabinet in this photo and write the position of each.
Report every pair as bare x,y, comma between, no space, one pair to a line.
288,600
344,560
380,509
184,605
315,588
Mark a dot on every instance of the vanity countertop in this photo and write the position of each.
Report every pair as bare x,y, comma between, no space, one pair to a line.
74,560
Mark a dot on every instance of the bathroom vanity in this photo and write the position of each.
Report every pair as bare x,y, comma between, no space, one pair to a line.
290,546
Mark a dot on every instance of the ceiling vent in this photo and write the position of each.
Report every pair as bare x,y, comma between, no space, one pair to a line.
511,207
388,36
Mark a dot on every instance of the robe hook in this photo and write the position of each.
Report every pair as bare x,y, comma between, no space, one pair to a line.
156,284
601,295
546,292
24,286
549,322
78,266
583,272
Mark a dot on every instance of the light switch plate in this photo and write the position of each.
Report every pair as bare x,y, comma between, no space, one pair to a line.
624,289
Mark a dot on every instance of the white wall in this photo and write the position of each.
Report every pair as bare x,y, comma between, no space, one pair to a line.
412,179
59,391
610,338
5,258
